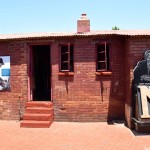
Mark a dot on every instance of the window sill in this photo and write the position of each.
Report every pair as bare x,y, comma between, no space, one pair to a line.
66,73
104,73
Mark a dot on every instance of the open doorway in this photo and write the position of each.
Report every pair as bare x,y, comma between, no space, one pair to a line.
40,73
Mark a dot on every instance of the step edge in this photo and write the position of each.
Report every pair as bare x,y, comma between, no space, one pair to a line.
36,114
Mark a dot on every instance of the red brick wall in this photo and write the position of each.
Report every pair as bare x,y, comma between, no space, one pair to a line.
81,97
18,80
86,96
135,48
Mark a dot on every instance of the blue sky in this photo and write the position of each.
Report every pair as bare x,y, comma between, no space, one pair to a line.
23,16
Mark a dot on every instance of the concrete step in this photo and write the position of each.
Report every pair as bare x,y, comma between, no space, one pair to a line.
40,110
37,117
39,104
38,114
35,124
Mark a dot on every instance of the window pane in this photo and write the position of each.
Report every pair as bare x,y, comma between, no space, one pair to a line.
101,48
101,66
67,60
71,58
64,66
108,57
64,57
64,48
101,56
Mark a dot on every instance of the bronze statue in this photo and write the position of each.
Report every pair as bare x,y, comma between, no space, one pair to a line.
142,70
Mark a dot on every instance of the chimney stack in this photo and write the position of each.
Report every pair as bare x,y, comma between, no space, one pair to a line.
83,24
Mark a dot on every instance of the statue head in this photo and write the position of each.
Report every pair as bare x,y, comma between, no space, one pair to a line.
147,58
147,54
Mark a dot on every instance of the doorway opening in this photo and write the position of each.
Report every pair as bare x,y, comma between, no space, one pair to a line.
40,73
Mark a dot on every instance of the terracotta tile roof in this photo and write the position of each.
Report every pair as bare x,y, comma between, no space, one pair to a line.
69,34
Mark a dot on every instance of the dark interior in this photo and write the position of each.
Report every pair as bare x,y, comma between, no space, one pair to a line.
41,72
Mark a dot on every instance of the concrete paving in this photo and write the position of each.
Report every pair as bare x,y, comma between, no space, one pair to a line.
71,136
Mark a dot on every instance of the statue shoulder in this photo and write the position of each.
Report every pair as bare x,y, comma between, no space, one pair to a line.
142,63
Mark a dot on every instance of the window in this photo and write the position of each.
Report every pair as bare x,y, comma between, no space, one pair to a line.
103,57
66,58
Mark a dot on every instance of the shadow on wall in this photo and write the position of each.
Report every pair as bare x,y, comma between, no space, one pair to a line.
66,80
112,98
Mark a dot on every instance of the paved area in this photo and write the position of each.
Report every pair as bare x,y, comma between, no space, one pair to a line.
71,136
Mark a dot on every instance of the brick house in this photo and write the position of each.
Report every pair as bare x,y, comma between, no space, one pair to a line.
86,75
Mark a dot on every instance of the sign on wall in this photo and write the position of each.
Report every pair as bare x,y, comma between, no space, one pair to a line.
4,73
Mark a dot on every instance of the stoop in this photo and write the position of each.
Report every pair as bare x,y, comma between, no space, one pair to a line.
38,114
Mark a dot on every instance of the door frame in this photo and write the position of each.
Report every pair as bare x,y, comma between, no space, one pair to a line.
30,68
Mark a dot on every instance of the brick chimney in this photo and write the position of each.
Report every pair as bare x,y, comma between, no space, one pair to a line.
83,24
